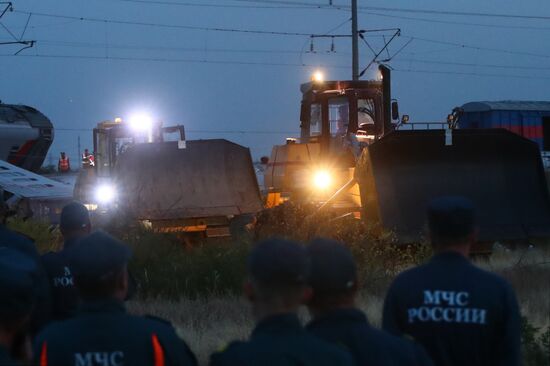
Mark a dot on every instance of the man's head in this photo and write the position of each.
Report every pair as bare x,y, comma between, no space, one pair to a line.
278,272
99,265
333,277
17,273
451,222
75,221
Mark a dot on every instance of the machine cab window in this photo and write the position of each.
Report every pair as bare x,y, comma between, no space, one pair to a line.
315,121
338,109
366,115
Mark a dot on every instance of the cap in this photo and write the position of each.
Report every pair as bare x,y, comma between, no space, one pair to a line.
333,268
74,216
98,255
17,273
451,216
279,262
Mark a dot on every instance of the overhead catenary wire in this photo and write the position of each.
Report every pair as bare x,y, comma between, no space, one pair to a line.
452,22
163,25
249,63
211,5
265,32
394,58
406,10
242,132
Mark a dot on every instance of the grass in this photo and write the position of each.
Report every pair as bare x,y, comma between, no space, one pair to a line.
209,323
198,289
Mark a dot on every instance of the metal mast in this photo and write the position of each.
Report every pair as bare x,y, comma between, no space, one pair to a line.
354,41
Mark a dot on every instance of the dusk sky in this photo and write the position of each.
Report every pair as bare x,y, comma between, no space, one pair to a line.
244,87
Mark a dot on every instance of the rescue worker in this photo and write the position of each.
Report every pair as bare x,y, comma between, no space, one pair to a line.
87,159
102,333
74,224
16,303
277,285
461,314
21,243
63,165
336,319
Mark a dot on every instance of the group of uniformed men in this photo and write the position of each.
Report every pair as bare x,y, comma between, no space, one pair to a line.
445,312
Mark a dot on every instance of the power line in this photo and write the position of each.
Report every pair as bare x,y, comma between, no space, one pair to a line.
237,132
202,5
407,10
447,22
160,25
465,73
468,64
71,44
167,60
480,48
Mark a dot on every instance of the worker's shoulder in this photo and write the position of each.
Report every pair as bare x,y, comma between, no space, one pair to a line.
58,330
235,353
304,347
326,353
402,350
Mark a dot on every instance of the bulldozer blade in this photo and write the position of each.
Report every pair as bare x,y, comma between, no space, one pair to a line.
501,172
207,178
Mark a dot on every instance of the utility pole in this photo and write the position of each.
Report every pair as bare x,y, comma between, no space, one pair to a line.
79,155
354,41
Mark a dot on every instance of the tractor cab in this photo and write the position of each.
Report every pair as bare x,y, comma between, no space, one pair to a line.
337,120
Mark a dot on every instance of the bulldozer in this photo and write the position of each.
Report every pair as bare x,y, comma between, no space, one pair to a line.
355,157
152,174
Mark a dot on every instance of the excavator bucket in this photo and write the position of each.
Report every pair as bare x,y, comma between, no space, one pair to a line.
501,172
187,180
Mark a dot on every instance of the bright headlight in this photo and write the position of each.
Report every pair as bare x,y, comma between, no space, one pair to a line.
105,194
322,179
141,122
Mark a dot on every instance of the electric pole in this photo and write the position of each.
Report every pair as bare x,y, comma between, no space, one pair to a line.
354,41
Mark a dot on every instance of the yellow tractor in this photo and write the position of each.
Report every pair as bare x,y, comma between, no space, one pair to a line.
151,174
355,155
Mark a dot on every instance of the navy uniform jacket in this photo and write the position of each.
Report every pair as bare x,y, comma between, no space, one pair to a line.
103,334
279,341
42,310
350,328
63,291
5,358
462,315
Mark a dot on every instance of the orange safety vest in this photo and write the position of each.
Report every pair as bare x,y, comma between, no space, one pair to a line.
158,353
64,164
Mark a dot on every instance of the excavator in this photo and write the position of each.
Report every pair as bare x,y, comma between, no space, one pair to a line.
355,156
152,174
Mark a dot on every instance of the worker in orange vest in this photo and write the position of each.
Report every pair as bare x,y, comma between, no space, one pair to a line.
64,166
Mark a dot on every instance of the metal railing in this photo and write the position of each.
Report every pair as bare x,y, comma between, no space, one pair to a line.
423,126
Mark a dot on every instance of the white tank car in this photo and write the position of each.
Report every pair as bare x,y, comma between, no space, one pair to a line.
25,136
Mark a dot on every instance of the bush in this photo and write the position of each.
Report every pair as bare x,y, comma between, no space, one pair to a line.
163,267
535,344
46,237
378,256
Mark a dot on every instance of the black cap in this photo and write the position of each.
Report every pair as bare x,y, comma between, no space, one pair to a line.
17,273
98,255
279,262
451,217
74,216
333,268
